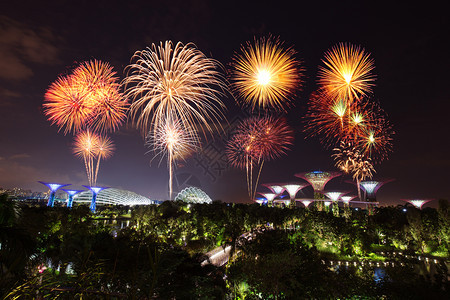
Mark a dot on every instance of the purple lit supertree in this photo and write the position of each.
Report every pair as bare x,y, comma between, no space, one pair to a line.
269,197
418,203
95,190
306,202
292,189
71,193
53,188
334,196
318,180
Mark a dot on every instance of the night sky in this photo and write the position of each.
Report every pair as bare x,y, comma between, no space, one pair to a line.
40,40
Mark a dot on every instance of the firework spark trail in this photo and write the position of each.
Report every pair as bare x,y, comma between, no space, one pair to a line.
256,140
347,73
174,82
105,149
85,146
172,140
266,74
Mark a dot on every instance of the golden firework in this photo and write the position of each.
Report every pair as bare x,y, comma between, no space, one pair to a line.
266,74
347,73
168,82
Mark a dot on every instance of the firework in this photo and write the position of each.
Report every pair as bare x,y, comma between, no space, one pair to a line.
86,147
326,117
90,146
266,74
349,159
88,97
174,82
375,140
347,73
66,104
105,149
256,140
172,140
99,79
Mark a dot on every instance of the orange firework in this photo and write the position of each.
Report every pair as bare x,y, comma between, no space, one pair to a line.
66,105
89,97
266,74
347,73
91,146
86,147
99,79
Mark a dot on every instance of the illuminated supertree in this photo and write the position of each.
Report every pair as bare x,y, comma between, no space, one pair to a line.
346,199
95,190
306,202
418,203
269,197
334,196
174,82
318,180
292,189
371,187
265,74
53,188
71,193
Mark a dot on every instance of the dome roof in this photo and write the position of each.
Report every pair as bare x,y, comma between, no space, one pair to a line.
193,195
113,196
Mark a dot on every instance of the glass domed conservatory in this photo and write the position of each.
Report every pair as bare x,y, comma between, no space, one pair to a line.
112,196
193,195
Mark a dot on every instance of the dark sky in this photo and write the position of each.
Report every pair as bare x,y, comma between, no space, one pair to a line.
410,44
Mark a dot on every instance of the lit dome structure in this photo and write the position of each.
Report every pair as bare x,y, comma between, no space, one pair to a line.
113,196
193,195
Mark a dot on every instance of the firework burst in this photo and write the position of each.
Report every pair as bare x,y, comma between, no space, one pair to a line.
90,146
168,82
88,97
172,140
256,140
266,74
85,147
347,73
66,105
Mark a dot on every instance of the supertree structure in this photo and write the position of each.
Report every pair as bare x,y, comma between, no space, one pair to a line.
276,189
318,180
95,190
418,203
269,197
53,188
347,198
292,189
71,193
371,187
306,201
334,196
